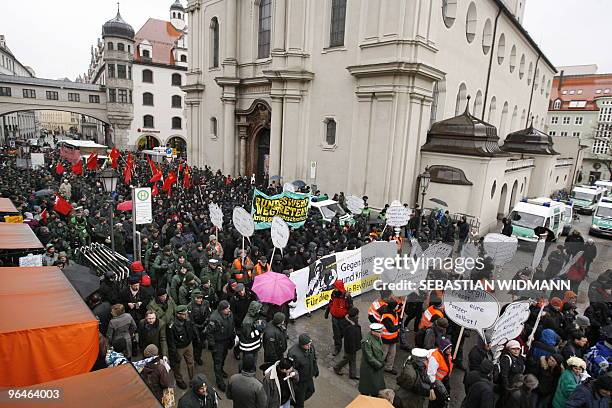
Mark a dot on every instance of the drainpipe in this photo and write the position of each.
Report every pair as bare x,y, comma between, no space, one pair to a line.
484,103
532,87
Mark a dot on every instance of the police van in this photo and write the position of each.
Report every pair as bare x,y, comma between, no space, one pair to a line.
605,184
585,198
602,218
329,209
538,212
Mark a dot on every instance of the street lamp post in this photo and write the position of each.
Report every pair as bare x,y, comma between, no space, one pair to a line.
26,153
424,179
108,177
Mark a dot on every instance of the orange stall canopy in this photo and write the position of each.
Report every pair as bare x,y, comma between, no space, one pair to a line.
7,206
18,236
119,386
46,330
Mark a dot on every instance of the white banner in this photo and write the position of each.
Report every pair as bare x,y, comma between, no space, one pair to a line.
143,212
31,260
314,283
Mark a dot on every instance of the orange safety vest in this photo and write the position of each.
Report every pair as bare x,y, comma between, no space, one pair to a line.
261,269
444,367
399,241
385,334
237,265
373,310
428,315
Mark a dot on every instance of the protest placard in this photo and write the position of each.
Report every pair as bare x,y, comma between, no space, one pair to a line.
500,248
469,251
216,215
473,309
397,215
243,222
537,255
355,204
510,324
279,232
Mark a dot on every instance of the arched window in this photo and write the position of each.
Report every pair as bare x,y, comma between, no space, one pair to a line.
213,127
177,123
330,131
183,58
512,58
501,49
502,123
214,42
487,36
492,109
147,76
265,29
478,104
147,122
120,47
173,15
177,101
337,23
514,119
557,104
147,99
461,99
449,12
146,54
471,20
522,67
530,73
176,80
110,46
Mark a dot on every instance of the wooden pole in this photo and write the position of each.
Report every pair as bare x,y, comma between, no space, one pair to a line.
458,343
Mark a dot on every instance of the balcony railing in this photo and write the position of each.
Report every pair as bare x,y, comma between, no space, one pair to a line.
513,165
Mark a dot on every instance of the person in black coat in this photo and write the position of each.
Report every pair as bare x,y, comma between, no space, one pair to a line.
479,387
507,227
351,332
180,335
102,311
477,354
274,340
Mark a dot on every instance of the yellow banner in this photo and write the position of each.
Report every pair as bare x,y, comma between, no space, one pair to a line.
15,219
357,286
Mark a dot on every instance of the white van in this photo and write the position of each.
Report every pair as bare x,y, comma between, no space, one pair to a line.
329,209
539,212
601,223
584,198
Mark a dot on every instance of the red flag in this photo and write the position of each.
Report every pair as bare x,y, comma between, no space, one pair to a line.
92,161
154,191
151,164
156,177
77,168
170,180
180,167
61,205
114,156
59,169
129,168
186,177
44,215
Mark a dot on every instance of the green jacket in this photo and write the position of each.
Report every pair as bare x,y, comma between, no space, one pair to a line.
162,264
165,315
175,285
372,376
215,275
175,267
305,362
566,385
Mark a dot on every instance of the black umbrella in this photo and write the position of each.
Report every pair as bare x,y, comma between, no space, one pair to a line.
299,183
438,201
82,279
275,178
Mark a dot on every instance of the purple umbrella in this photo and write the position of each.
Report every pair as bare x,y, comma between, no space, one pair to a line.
275,288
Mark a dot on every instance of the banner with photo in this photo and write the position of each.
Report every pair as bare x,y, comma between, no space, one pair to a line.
314,283
291,207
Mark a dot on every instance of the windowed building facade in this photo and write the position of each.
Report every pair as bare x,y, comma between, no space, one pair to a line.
354,82
581,108
146,77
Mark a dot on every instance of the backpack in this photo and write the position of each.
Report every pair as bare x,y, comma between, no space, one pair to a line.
408,376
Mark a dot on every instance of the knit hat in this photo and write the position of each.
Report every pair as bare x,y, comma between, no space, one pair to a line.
576,362
304,339
160,292
224,304
444,345
212,237
279,318
134,279
583,321
353,312
248,363
145,280
513,344
137,266
556,302
442,322
150,351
